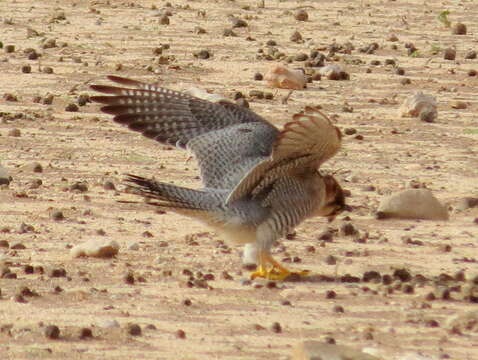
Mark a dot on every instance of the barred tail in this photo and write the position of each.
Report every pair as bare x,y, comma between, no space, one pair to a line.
183,200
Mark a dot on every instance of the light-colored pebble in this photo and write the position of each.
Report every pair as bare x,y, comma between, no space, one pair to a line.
315,350
419,103
98,247
280,76
413,204
133,246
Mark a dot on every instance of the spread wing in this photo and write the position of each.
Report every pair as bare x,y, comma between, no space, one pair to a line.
227,140
301,147
168,116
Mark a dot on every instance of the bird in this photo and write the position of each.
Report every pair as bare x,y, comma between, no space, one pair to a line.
258,181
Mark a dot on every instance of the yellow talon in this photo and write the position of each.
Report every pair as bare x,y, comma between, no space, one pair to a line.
276,271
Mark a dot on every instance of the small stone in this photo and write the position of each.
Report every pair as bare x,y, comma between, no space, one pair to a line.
347,229
5,178
86,333
26,69
449,54
57,215
72,107
420,105
392,38
301,57
18,246
405,81
472,72
470,55
52,332
129,278
134,246
460,105
301,15
4,244
256,94
109,185
180,334
80,187
258,76
134,329
280,76
237,22
459,29
14,132
296,37
228,33
56,273
9,48
330,294
164,20
467,203
350,131
399,71
338,309
99,247
202,54
276,328
199,30
108,324
315,350
48,70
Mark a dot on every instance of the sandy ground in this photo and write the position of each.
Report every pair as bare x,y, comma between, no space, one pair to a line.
232,319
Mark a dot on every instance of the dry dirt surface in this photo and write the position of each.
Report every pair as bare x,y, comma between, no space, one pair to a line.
176,280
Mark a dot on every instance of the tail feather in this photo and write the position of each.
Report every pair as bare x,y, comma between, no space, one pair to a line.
175,197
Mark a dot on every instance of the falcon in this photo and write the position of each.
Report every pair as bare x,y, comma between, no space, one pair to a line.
258,182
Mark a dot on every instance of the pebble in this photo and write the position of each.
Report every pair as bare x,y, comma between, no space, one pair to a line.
134,329
459,29
467,203
301,15
14,132
334,72
314,350
412,204
108,324
276,328
449,54
296,37
97,247
5,179
237,22
463,322
133,246
57,215
52,332
202,54
282,77
470,55
86,333
180,334
72,107
419,105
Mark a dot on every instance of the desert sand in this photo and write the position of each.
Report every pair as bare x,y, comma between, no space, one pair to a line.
222,315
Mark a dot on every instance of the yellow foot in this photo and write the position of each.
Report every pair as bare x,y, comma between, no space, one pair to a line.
276,273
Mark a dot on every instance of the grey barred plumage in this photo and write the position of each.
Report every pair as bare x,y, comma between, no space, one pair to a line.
258,182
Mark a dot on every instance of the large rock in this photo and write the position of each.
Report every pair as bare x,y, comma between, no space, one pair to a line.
412,204
100,247
315,350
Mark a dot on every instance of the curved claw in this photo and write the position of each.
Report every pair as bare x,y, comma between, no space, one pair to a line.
276,271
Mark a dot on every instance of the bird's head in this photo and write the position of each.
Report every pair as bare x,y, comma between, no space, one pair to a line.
334,198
